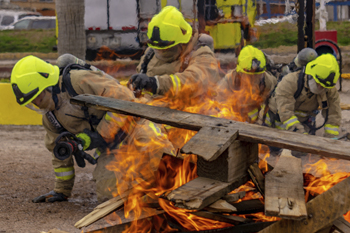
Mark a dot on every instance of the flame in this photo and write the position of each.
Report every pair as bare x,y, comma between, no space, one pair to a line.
105,53
140,166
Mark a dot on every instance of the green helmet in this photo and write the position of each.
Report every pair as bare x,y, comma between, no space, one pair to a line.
30,76
168,28
324,69
251,61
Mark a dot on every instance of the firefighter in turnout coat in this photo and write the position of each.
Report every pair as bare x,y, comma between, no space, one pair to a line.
45,88
297,98
179,62
249,80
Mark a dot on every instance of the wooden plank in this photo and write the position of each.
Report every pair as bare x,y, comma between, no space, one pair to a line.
284,189
102,210
201,192
322,211
116,221
247,132
210,142
232,164
221,206
257,178
249,206
342,225
234,196
235,220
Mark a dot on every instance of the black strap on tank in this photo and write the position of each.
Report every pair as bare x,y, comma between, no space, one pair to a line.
147,58
300,84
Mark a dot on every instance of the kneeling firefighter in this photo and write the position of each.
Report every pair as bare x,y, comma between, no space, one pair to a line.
48,88
295,102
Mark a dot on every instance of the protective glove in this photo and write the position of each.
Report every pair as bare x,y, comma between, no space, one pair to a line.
142,81
298,129
52,196
91,139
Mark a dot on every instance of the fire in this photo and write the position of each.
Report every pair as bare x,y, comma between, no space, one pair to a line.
142,168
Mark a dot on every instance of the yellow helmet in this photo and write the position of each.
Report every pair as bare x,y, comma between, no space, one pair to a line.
251,61
324,69
30,76
168,28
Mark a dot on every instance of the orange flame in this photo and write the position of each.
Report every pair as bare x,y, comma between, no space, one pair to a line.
141,167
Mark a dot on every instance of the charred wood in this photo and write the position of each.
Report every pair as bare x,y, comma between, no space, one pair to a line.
246,132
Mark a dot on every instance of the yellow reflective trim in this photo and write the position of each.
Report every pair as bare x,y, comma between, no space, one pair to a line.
146,92
64,173
301,113
116,118
290,122
155,128
253,115
97,154
168,127
331,129
176,83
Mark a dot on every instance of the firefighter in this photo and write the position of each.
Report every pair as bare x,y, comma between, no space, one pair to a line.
298,96
179,62
249,84
48,89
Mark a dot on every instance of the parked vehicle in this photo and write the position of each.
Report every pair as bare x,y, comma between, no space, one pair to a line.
121,25
41,22
8,17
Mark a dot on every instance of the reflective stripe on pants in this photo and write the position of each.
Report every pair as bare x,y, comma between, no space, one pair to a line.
331,129
291,121
64,173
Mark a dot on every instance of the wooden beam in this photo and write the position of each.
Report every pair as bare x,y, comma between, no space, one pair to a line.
234,196
247,132
235,220
210,142
201,192
342,225
322,211
230,165
102,210
284,189
257,178
249,206
221,206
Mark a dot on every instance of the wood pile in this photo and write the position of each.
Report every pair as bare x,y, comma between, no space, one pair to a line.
227,158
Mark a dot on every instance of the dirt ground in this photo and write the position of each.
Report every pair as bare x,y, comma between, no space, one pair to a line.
26,172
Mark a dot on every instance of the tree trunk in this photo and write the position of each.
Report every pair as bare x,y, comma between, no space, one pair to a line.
71,30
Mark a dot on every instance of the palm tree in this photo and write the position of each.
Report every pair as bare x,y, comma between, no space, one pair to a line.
71,30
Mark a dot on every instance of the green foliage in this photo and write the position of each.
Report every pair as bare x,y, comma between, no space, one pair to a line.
27,41
274,35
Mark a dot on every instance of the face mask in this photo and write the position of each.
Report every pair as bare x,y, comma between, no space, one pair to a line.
36,109
168,55
314,87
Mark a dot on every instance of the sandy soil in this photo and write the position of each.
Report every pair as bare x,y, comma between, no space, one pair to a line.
26,172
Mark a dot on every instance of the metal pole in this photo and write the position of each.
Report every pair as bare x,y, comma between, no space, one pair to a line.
310,23
301,44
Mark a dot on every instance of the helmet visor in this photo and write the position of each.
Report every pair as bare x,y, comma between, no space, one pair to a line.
22,98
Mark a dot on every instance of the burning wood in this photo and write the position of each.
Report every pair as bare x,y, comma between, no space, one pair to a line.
225,163
284,194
